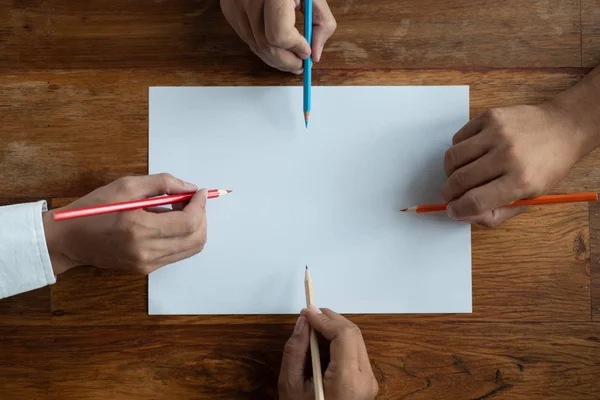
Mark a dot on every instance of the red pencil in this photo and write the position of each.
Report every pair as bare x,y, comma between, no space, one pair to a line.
132,205
552,199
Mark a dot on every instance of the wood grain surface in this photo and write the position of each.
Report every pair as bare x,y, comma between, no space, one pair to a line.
95,34
590,32
74,78
419,360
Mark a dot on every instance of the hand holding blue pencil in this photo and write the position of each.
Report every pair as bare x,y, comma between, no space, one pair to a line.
269,28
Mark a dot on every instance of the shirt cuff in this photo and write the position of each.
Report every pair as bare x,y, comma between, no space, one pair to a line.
24,259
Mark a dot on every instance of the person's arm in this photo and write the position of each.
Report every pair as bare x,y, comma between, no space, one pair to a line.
34,248
581,104
512,153
24,259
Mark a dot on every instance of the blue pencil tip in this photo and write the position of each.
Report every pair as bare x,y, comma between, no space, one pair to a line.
306,123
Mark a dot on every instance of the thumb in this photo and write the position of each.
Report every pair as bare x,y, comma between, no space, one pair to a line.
322,323
197,204
324,25
155,185
492,219
295,353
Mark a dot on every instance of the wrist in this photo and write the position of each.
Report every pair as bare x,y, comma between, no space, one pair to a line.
579,107
579,135
55,243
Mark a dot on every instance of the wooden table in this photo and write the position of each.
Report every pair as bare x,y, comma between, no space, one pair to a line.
73,116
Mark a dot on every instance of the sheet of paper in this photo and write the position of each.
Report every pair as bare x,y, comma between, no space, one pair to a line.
328,197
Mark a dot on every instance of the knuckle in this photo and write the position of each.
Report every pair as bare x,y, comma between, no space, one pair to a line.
142,261
330,26
127,226
202,240
350,330
198,244
290,347
141,257
459,180
493,115
474,204
165,179
126,184
190,225
449,161
285,384
265,49
526,182
278,38
488,221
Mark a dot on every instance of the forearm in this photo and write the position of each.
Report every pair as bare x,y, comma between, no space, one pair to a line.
581,105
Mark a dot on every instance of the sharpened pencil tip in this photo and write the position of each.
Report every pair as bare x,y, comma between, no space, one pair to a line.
404,210
306,124
229,191
307,267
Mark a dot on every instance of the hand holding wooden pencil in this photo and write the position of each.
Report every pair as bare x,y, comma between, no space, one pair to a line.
349,375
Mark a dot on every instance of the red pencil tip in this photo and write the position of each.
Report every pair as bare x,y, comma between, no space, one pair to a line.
404,210
229,191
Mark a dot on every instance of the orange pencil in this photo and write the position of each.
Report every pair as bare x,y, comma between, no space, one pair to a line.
132,205
552,199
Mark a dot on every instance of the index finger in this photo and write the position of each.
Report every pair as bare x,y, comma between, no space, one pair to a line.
345,337
470,129
363,356
328,323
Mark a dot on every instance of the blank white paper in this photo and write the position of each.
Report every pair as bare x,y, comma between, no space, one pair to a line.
328,197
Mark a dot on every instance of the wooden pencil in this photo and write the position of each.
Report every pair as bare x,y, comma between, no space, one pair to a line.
541,200
314,344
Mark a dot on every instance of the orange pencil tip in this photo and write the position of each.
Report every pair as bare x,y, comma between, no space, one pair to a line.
404,210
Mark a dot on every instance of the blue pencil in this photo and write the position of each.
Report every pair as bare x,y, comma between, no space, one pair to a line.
308,62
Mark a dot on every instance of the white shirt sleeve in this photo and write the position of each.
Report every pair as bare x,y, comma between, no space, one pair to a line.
24,258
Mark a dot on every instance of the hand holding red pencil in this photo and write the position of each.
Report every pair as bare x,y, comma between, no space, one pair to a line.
138,241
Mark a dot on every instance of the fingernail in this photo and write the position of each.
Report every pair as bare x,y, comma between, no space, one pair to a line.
300,324
315,309
450,212
190,186
299,72
320,53
205,193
